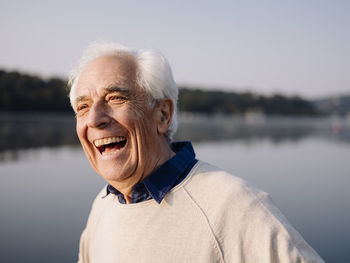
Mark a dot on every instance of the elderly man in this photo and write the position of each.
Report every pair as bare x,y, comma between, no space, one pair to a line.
161,204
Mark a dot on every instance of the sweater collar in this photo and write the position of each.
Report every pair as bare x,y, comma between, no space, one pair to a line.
164,178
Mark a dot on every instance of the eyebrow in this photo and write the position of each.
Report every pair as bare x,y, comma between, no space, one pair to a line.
123,90
117,89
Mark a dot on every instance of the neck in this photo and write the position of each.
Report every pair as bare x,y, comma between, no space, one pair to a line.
163,154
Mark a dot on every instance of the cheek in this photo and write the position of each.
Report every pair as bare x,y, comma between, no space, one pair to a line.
81,132
144,119
129,118
144,130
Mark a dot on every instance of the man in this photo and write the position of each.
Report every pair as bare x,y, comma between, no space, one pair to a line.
161,204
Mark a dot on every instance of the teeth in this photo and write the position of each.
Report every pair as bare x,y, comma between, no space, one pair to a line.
108,140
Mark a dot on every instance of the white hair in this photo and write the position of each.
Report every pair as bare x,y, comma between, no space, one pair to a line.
154,74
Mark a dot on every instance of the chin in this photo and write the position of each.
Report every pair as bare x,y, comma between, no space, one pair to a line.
113,173
110,175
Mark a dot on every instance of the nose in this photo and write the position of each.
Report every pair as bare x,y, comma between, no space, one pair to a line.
98,117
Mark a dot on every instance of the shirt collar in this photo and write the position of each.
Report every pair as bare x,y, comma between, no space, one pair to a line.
163,179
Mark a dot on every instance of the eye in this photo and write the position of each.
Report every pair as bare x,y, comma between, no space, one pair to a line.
116,99
82,107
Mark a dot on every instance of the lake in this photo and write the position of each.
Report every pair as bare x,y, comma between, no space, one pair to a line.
47,185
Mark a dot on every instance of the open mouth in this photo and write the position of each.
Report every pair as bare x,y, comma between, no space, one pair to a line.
110,144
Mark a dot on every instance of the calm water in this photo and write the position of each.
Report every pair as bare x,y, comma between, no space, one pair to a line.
47,185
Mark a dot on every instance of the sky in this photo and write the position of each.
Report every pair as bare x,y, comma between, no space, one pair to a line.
299,47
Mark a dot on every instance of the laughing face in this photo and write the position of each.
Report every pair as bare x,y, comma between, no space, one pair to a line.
119,131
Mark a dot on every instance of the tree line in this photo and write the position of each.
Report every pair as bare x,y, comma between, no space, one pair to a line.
213,102
23,92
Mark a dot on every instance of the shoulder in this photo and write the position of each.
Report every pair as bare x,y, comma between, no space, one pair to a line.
223,195
211,183
244,218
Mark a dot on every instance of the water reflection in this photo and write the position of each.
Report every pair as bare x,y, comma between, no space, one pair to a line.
276,129
28,131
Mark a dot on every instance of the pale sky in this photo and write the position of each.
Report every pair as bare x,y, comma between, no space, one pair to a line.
299,47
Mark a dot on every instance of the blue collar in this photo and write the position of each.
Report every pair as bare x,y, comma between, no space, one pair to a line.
163,179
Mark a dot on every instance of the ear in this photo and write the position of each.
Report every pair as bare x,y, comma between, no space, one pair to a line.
164,115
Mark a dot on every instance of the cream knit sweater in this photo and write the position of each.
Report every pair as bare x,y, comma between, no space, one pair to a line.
211,216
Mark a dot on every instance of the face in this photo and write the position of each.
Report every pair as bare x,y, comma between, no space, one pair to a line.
115,124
